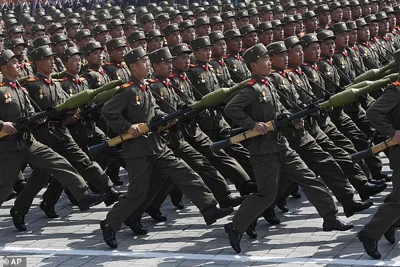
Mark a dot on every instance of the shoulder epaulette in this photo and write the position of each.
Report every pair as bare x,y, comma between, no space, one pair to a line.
396,83
305,64
108,63
152,80
251,82
193,65
126,85
34,79
82,79
60,80
226,56
173,75
28,63
289,70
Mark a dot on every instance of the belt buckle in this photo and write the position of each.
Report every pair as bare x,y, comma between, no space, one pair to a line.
25,135
50,124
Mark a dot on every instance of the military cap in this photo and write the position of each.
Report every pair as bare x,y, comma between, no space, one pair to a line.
104,16
361,23
129,24
163,3
74,16
201,21
292,41
134,55
68,11
58,38
16,42
136,36
174,13
90,47
259,3
216,3
90,13
354,3
232,34
10,16
82,34
241,6
146,18
277,9
288,6
41,52
41,41
264,26
71,22
213,9
297,17
99,29
228,7
187,14
254,53
167,30
5,56
37,27
335,5
370,18
81,9
89,19
114,23
200,42
227,15
183,8
168,9
381,15
345,3
246,29
129,11
205,3
162,17
325,35
54,27
141,11
69,52
241,14
114,10
215,20
276,23
198,10
159,55
301,3
351,25
309,38
46,19
28,20
321,9
339,27
150,35
216,36
364,2
10,22
252,12
265,8
309,15
388,10
115,43
276,48
288,19
15,29
185,25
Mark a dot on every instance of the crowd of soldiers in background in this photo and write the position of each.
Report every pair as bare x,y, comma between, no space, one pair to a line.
316,48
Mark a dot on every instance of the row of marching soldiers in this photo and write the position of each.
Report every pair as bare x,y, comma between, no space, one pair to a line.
164,71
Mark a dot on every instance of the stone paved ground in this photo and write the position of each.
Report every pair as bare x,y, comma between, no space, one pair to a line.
184,240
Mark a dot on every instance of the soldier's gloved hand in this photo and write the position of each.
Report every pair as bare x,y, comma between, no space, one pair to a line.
8,128
134,130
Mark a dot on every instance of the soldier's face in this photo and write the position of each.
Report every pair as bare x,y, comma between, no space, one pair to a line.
383,26
60,47
366,10
45,65
235,45
250,39
278,34
302,10
150,25
290,29
346,13
174,38
155,43
255,20
392,21
296,55
164,68
178,19
203,54
73,64
242,22
218,27
12,68
140,43
373,29
311,24
262,66
141,68
280,61
267,16
337,15
219,48
38,34
203,30
71,31
229,24
374,8
352,37
266,37
117,54
181,62
328,48
299,26
164,23
19,50
278,15
102,38
117,32
95,58
356,12
363,34
312,52
324,18
342,39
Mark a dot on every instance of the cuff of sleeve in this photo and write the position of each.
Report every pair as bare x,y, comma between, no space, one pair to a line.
250,125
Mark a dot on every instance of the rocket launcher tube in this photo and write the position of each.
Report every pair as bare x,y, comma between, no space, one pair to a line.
356,157
209,100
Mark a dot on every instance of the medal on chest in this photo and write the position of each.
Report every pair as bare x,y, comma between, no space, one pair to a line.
264,96
8,98
41,93
202,78
181,87
162,94
234,67
137,100
71,92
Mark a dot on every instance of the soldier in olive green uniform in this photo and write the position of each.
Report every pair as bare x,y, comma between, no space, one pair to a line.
217,39
116,68
148,159
18,148
205,81
46,93
384,116
18,46
271,156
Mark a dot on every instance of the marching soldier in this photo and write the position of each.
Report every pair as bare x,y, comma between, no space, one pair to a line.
234,62
271,156
116,68
217,39
148,159
154,39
